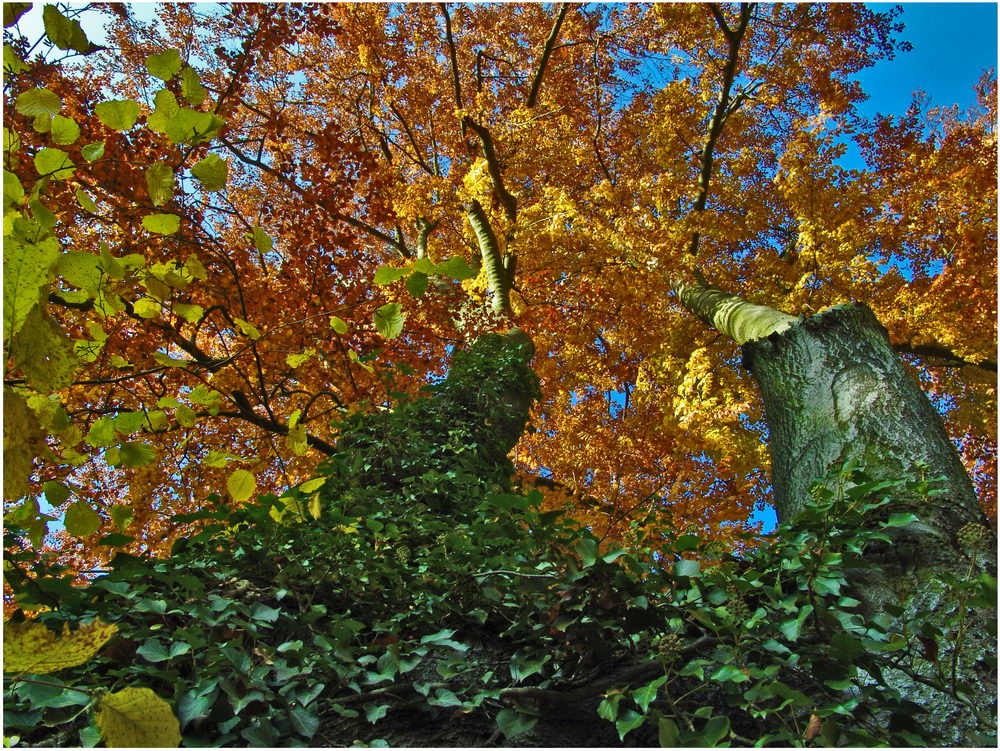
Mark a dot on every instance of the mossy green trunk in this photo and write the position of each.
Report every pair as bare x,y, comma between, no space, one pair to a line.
835,392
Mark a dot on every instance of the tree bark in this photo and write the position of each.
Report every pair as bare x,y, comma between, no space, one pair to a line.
834,391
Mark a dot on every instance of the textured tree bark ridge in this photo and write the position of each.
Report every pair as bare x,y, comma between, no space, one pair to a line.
834,391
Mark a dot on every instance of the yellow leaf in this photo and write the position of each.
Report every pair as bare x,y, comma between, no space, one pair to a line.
137,718
32,648
241,485
314,506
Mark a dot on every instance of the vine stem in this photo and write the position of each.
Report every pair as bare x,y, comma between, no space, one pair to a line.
18,678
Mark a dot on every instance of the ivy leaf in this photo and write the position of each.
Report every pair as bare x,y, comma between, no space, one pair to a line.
37,102
389,320
118,114
241,485
628,720
31,647
165,65
137,718
513,723
64,130
211,172
162,224
54,162
159,183
81,520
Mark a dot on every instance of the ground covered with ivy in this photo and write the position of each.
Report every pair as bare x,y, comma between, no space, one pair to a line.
405,596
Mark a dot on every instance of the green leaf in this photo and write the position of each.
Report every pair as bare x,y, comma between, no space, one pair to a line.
715,730
102,432
191,126
512,723
687,568
93,151
26,268
56,492
168,361
44,352
729,673
793,627
55,162
389,320
12,64
146,307
42,214
389,274
118,114
669,733
164,65
153,650
305,721
122,516
645,695
241,485
191,88
900,519
338,325
262,612
12,12
587,549
416,284
162,224
189,312
38,103
134,454
86,202
211,172
247,328
261,240
159,183
81,520
375,712
64,130
13,191
164,107
457,268
186,417
628,720
65,33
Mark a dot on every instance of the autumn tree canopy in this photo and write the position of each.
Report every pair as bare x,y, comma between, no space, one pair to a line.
229,230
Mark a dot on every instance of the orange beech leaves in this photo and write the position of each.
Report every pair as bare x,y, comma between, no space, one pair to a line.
286,234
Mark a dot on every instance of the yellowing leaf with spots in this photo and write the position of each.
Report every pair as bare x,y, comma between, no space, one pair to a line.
137,718
33,648
241,485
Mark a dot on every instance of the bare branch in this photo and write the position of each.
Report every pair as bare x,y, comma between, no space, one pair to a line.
536,84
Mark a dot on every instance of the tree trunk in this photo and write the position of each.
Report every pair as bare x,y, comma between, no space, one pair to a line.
835,392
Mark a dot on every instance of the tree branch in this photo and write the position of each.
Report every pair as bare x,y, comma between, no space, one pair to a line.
722,109
507,200
536,84
938,351
496,273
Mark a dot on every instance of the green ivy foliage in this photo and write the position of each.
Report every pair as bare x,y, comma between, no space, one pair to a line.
424,581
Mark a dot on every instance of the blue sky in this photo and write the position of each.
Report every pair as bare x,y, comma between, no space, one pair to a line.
952,44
